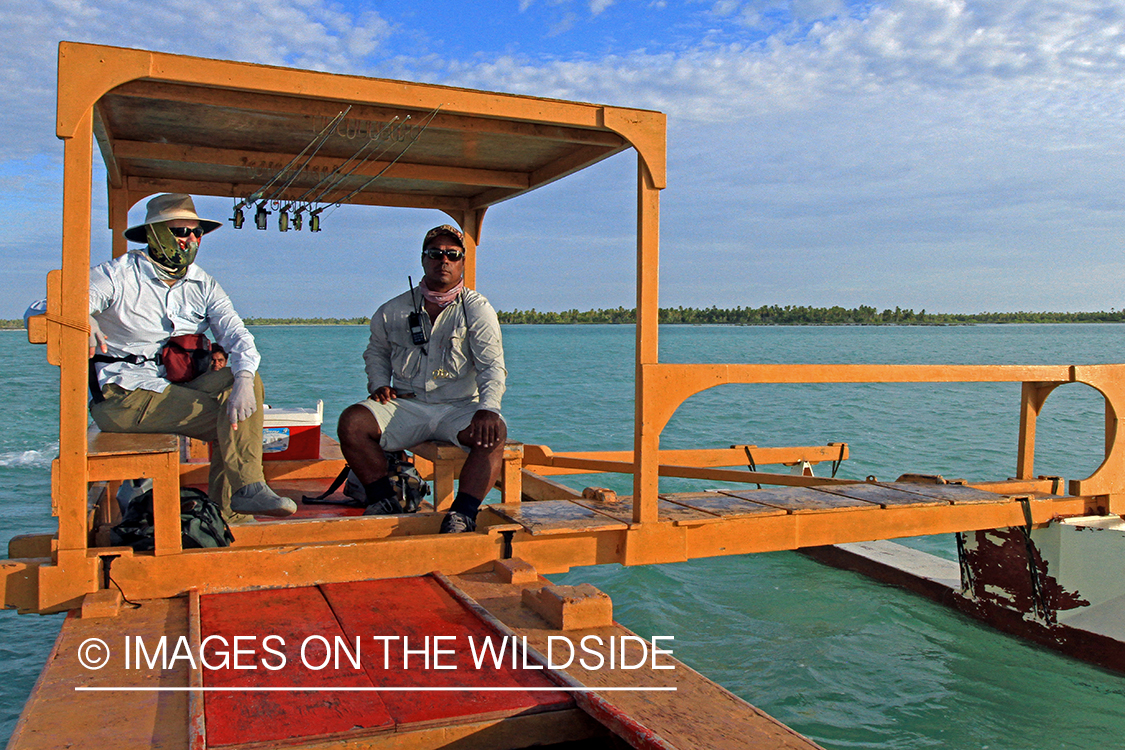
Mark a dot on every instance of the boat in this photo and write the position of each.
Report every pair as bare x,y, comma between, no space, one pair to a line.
500,657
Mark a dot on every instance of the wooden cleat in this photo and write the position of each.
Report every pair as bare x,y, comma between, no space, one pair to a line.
570,607
515,571
601,494
103,603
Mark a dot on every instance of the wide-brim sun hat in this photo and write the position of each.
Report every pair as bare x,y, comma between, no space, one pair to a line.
169,207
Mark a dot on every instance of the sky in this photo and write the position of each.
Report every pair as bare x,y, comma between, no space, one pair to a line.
946,155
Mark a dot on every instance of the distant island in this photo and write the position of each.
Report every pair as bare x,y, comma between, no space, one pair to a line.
767,315
794,315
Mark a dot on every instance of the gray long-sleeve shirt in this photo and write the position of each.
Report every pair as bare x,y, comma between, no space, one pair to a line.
464,359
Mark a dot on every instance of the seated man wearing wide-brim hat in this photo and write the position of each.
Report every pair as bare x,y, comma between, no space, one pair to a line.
147,298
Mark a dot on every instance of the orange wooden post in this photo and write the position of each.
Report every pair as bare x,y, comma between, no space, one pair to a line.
646,481
470,223
166,523
511,474
119,204
1032,398
70,319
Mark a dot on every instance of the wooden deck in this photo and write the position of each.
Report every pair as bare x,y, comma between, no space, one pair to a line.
387,698
697,714
696,508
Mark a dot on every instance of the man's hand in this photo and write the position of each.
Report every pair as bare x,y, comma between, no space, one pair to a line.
384,393
485,429
241,403
97,338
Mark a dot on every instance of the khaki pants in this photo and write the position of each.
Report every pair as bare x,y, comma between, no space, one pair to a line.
196,409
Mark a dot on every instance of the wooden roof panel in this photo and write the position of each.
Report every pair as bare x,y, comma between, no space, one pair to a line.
317,182
222,141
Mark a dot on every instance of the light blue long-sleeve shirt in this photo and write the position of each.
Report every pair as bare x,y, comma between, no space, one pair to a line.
138,312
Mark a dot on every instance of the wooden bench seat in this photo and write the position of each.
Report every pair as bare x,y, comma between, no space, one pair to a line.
114,457
447,460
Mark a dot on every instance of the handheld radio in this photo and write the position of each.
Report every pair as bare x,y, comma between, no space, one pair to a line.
418,333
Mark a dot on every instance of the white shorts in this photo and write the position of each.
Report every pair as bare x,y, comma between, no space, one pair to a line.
406,421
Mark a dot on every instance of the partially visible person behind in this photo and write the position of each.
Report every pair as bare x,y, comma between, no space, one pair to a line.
435,371
137,303
218,356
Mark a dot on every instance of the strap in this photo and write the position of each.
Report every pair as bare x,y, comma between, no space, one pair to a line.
321,498
133,359
1038,595
95,387
83,325
92,373
838,461
750,461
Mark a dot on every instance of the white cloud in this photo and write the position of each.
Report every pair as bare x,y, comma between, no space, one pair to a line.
928,138
302,33
924,153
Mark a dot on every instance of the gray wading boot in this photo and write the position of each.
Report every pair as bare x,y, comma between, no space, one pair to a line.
258,499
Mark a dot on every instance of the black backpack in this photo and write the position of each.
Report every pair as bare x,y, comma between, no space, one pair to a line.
202,523
408,484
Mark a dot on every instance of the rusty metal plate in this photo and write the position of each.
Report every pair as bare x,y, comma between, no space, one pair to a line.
803,500
887,497
958,494
722,504
556,517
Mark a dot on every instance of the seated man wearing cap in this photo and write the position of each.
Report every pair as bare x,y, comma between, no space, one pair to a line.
145,297
435,370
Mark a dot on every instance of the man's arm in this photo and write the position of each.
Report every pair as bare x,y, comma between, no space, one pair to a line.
377,359
230,332
242,352
487,350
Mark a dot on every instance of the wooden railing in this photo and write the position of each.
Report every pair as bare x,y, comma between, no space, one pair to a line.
662,388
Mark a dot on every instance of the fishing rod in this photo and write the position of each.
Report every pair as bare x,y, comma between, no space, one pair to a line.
336,173
322,137
382,171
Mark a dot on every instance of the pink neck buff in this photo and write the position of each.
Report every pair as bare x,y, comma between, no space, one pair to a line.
441,299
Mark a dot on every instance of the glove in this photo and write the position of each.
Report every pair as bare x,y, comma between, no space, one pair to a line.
97,338
241,403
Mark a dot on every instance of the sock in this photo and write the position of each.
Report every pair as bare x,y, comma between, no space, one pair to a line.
379,489
466,504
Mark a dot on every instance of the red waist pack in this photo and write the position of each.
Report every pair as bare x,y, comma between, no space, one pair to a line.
186,357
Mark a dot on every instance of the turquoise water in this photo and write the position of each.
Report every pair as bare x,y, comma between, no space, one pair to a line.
847,662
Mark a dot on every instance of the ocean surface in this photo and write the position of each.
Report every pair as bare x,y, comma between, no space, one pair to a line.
847,662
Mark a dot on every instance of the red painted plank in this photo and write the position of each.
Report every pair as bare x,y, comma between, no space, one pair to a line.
417,609
293,615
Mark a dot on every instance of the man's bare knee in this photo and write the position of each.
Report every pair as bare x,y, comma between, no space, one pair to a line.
357,423
501,439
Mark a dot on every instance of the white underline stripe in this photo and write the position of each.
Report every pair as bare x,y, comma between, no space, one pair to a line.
372,689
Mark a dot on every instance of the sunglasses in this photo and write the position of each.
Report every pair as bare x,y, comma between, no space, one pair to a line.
183,232
434,253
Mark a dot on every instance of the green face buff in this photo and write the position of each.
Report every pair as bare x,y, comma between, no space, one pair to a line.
165,250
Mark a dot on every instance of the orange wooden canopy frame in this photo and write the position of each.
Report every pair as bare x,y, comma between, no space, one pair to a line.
170,123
